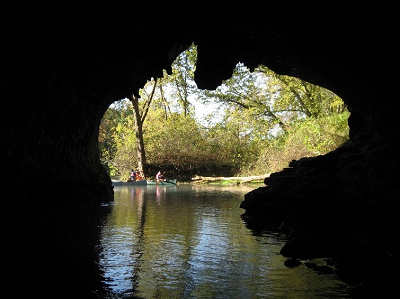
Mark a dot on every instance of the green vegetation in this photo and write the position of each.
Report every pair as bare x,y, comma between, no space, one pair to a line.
261,123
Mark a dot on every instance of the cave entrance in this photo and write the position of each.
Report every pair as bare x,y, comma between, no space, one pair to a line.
254,123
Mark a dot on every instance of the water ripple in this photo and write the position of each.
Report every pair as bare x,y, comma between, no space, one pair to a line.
191,243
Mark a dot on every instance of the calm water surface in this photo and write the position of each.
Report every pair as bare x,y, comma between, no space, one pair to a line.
190,242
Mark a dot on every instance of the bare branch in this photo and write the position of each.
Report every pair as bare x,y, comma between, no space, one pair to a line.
148,102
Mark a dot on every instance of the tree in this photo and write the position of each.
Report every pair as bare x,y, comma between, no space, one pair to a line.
264,106
140,111
116,138
180,85
276,99
183,76
183,83
267,120
298,99
247,91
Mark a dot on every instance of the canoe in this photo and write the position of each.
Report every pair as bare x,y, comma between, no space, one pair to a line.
163,183
146,182
134,183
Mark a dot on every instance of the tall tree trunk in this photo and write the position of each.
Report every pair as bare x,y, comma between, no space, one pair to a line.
140,117
140,151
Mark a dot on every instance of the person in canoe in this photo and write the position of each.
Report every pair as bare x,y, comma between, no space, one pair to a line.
138,175
159,176
132,175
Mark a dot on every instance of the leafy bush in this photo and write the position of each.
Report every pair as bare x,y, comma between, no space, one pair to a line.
307,138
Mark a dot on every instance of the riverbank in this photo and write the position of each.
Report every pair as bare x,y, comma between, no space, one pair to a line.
255,181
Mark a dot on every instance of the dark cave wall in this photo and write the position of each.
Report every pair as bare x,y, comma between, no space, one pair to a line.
347,50
60,72
58,78
61,67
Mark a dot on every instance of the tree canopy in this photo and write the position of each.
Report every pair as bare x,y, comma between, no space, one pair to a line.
266,120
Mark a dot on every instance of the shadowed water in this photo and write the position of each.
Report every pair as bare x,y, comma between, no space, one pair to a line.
190,242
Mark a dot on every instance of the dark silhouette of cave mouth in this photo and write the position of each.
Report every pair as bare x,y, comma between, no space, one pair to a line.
61,79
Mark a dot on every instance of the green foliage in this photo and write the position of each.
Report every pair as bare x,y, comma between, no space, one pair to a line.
116,139
180,146
281,118
307,138
267,121
322,135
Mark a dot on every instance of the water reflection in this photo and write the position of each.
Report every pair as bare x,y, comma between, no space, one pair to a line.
190,242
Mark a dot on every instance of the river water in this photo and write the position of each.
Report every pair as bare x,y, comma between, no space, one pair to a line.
189,241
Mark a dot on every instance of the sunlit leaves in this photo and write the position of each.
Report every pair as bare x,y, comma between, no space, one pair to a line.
266,121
